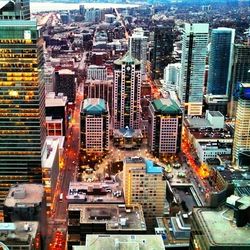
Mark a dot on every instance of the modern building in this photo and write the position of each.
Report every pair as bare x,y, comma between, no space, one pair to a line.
66,83
217,229
162,50
50,169
57,115
97,72
49,78
20,235
216,103
220,61
172,76
143,184
121,241
127,92
22,104
138,47
99,89
94,126
240,73
103,219
15,10
242,126
164,127
93,15
24,202
193,61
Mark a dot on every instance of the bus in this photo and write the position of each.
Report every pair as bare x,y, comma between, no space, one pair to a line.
61,197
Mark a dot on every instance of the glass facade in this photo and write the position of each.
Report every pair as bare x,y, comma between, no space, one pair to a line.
220,61
22,104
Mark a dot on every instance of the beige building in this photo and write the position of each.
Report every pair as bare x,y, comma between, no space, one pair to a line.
143,184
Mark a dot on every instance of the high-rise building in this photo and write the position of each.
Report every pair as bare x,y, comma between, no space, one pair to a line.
15,9
240,74
94,126
127,92
164,127
143,184
66,83
220,61
242,126
97,72
138,47
22,103
162,50
172,75
193,61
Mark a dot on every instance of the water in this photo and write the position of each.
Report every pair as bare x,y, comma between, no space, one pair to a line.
50,6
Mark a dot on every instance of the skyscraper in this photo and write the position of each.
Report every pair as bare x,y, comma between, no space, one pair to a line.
15,9
127,92
22,103
242,127
220,61
193,61
162,51
138,47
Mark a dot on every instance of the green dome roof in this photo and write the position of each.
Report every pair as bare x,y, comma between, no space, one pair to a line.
166,106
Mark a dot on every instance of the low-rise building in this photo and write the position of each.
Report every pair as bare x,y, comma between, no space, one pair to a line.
103,218
120,241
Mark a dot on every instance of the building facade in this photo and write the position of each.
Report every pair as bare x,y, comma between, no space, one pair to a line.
143,184
242,126
220,61
193,61
22,104
164,127
97,72
138,47
162,50
172,76
127,92
94,126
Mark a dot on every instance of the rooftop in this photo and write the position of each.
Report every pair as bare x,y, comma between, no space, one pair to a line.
53,100
93,106
215,113
94,192
127,58
24,195
125,242
18,233
166,106
220,229
152,168
127,133
116,217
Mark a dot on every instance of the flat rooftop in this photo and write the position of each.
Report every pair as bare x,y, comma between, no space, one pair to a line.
91,192
13,233
125,242
220,228
215,113
153,168
24,195
115,216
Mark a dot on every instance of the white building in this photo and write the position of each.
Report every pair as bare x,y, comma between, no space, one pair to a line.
215,118
49,78
97,72
138,47
94,126
193,61
212,150
127,92
172,76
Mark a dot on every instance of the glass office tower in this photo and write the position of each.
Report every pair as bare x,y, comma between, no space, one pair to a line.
220,61
22,104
